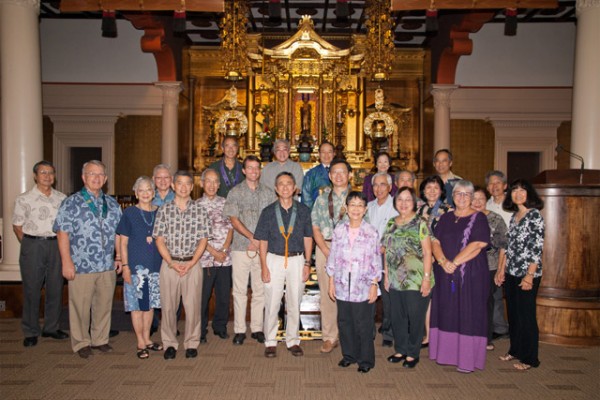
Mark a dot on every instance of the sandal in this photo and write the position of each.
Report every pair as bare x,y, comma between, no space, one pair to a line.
154,347
522,366
490,347
507,357
143,354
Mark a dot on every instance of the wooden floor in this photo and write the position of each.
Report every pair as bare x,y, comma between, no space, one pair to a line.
224,371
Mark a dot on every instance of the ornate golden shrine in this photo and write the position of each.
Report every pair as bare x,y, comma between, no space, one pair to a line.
307,72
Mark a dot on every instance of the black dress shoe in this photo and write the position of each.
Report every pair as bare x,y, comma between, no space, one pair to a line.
191,353
364,370
30,341
258,336
170,353
387,343
202,339
113,333
239,338
58,335
410,364
395,360
344,363
424,345
222,334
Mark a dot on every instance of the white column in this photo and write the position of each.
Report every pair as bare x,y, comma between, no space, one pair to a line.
22,137
441,104
585,133
169,122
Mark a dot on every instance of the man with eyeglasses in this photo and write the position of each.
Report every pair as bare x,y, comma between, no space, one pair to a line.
317,178
282,162
86,227
39,260
328,211
379,212
161,175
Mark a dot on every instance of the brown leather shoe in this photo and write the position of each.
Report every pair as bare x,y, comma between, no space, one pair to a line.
85,352
270,351
296,351
104,348
328,346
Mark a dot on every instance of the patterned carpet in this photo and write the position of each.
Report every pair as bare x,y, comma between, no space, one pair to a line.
224,371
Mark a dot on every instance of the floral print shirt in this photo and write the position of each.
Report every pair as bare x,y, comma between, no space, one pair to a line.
91,235
404,253
497,239
320,213
433,214
525,244
354,268
221,226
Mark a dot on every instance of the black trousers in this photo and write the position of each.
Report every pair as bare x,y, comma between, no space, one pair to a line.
522,320
218,278
356,323
40,265
409,308
386,318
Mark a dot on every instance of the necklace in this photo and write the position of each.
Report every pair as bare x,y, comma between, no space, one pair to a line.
149,224
458,217
290,229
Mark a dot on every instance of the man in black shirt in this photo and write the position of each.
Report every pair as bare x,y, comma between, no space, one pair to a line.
284,230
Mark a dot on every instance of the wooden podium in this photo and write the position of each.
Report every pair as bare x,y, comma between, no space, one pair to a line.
568,302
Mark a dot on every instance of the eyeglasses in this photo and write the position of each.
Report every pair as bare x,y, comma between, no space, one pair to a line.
462,194
94,174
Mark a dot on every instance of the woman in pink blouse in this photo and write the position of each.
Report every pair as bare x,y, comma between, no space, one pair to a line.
354,269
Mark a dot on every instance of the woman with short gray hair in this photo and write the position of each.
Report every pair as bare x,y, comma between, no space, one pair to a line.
458,330
141,264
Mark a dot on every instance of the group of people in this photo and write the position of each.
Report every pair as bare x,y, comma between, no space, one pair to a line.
437,258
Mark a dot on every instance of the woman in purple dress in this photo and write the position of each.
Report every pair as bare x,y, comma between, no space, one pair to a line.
458,333
382,164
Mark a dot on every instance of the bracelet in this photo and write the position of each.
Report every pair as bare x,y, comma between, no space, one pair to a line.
426,274
124,265
443,260
307,263
374,284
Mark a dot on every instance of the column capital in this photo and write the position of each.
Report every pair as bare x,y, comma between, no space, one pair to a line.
170,91
33,4
441,94
583,5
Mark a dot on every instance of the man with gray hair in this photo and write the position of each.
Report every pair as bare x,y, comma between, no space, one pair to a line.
161,175
405,178
216,260
39,260
379,212
495,182
86,227
282,162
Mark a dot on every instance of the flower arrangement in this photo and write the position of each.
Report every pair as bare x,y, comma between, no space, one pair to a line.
266,138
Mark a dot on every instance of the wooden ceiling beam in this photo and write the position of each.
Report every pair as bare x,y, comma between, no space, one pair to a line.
403,5
142,5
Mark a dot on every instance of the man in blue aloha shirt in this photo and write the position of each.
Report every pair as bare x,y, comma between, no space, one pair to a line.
317,178
86,229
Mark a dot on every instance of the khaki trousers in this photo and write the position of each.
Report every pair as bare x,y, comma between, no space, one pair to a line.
329,325
291,279
189,289
243,268
90,300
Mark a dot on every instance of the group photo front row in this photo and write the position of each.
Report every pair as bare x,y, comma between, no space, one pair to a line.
447,262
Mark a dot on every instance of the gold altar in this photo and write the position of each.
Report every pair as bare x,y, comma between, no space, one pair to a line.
308,84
